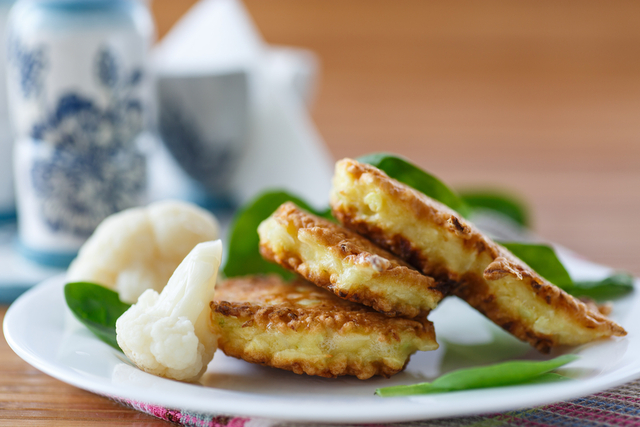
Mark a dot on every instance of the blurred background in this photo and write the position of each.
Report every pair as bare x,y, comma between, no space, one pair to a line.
539,97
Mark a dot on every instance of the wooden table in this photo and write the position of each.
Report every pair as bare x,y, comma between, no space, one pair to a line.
539,97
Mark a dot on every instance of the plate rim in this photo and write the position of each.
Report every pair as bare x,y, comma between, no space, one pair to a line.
224,402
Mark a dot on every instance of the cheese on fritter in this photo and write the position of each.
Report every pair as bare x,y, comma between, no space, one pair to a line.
305,329
345,263
441,244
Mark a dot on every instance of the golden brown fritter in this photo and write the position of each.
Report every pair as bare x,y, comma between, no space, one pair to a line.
441,244
305,329
345,263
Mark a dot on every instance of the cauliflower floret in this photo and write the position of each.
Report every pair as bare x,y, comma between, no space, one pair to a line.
169,334
138,249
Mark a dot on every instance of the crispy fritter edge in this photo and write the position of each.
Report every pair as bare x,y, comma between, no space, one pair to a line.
285,319
346,243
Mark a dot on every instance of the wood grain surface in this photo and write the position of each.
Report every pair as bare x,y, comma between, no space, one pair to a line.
538,97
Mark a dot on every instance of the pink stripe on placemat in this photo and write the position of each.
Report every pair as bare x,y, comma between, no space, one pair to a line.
185,418
622,397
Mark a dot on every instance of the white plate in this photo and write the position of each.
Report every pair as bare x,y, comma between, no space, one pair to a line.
40,330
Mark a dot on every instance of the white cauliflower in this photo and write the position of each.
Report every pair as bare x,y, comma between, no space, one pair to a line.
138,249
169,334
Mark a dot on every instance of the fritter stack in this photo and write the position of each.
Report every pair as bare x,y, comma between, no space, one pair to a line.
377,276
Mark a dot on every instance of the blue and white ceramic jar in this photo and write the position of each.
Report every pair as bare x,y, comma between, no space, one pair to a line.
79,97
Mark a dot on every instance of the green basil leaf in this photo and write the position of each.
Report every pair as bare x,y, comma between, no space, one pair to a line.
244,244
543,259
97,308
504,204
613,286
498,375
411,175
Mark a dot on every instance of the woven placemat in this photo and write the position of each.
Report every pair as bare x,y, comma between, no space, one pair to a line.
618,407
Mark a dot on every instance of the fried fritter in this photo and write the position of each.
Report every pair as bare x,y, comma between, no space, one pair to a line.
345,263
305,329
441,244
